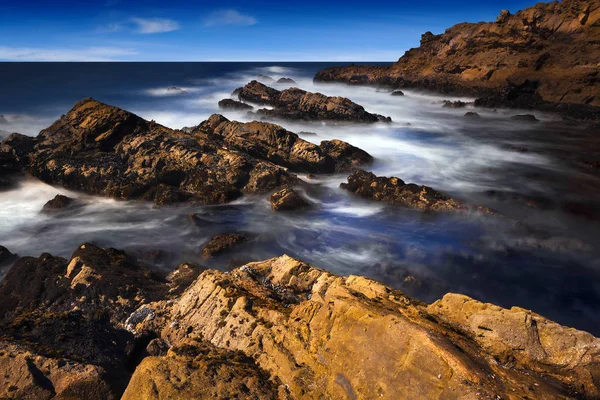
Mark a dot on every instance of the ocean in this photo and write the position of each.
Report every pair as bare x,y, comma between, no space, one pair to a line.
540,253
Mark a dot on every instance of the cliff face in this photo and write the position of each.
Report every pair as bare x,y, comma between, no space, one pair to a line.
555,46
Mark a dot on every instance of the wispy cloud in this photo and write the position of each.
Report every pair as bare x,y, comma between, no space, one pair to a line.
228,17
82,54
155,25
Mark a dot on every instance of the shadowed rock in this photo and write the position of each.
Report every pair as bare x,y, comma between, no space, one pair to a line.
298,104
286,81
222,243
287,200
58,203
525,118
394,191
472,115
230,104
6,257
397,93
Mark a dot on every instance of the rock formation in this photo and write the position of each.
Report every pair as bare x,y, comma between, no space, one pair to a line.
298,104
286,81
271,142
395,191
107,151
287,200
277,329
222,243
545,56
58,203
230,104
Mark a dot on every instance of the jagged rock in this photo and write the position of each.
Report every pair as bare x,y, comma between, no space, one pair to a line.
271,142
397,93
198,370
550,47
287,200
230,104
104,150
472,114
286,81
525,118
58,203
181,277
222,243
296,321
394,191
298,104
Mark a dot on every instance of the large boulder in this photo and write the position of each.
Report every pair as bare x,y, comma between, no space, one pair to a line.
545,56
298,104
222,243
287,200
272,142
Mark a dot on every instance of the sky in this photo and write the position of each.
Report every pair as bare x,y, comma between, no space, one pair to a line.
175,30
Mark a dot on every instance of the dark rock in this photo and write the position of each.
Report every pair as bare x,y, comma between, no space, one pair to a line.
454,104
395,191
58,203
157,347
472,114
525,118
397,93
271,142
287,200
222,243
286,81
229,104
180,278
265,78
305,133
107,151
6,257
298,104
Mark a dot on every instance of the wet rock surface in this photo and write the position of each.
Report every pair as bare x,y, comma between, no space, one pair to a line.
220,244
276,329
522,60
230,104
395,191
298,104
287,200
272,142
58,203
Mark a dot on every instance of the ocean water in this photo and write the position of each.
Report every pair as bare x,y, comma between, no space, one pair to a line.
545,258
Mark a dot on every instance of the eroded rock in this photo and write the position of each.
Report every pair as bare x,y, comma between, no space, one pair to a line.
287,200
220,244
57,204
298,104
230,104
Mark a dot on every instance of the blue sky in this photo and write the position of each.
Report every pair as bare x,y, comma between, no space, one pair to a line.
309,30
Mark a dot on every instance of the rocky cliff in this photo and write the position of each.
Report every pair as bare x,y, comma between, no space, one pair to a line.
546,56
101,324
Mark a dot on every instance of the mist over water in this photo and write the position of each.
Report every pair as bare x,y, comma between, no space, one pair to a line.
541,253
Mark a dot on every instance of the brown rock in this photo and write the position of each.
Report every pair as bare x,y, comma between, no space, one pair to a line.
298,104
544,57
230,104
222,243
199,370
347,157
395,191
287,200
182,277
58,203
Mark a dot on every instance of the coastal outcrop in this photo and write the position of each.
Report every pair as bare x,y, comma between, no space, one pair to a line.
58,203
100,325
104,150
230,104
222,243
272,142
395,191
298,104
287,200
545,57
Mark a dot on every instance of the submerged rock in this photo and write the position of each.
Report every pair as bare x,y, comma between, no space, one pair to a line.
472,114
542,57
265,78
525,118
298,104
230,104
286,81
395,191
287,200
454,104
397,93
220,244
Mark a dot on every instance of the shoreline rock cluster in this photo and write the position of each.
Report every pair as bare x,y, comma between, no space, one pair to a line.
101,326
544,57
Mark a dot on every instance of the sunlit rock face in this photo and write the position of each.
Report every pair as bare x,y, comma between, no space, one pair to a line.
524,60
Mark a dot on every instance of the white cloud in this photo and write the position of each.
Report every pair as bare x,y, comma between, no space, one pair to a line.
155,25
82,54
228,17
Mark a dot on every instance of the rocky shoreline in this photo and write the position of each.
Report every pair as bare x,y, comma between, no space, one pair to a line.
544,57
100,326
